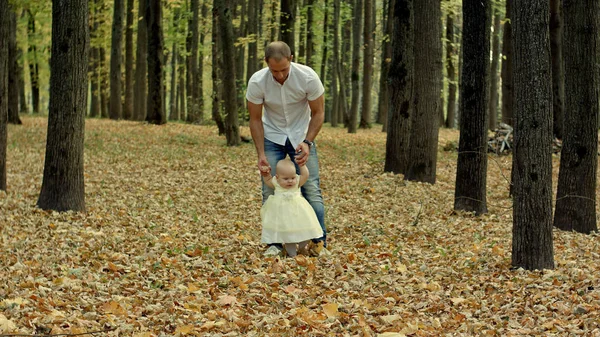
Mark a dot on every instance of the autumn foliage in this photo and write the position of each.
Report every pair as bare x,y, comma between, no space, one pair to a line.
170,246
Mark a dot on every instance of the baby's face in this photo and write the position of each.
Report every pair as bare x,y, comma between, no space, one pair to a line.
286,179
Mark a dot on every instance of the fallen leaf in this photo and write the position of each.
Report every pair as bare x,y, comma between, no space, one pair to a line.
330,309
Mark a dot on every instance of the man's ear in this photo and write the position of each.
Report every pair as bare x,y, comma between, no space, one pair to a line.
291,58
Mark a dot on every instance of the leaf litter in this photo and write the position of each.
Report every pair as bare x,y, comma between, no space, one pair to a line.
170,246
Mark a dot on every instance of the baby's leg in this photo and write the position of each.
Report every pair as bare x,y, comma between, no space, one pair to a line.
290,248
303,247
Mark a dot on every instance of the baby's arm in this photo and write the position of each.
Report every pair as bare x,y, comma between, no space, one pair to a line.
303,175
268,181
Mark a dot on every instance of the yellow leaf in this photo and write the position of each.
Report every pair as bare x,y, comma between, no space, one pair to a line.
227,300
391,334
331,310
144,334
184,330
6,325
114,308
192,287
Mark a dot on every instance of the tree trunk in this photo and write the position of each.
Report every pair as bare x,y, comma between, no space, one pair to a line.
310,44
128,103
576,195
141,65
116,60
323,73
104,85
356,43
471,171
558,75
365,116
156,113
401,82
232,132
181,88
192,62
386,57
173,113
200,72
22,97
239,53
13,71
507,68
336,62
427,80
4,37
63,181
346,70
287,22
95,64
33,65
493,100
450,72
532,159
253,14
216,83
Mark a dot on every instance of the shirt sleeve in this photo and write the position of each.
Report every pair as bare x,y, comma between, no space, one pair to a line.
254,94
314,87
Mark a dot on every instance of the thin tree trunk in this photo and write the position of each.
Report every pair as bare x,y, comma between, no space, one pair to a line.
576,195
33,65
507,67
4,37
310,45
346,70
174,114
13,72
471,171
323,74
95,65
356,43
532,158
558,74
116,60
192,62
181,96
287,22
252,64
336,62
365,116
63,185
450,72
386,57
128,103
424,133
232,132
104,104
216,83
401,82
156,113
493,100
141,65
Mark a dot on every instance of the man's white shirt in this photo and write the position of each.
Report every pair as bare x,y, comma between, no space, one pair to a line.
286,113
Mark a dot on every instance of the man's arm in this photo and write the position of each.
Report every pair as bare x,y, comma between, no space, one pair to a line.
317,108
258,136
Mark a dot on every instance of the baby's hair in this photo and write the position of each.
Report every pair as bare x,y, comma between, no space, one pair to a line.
286,162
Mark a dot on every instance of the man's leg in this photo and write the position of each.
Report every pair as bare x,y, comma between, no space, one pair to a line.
311,190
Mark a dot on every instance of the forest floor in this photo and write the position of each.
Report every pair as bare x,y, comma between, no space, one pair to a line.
170,246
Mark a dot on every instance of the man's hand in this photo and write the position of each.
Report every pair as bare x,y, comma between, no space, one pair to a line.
302,152
264,167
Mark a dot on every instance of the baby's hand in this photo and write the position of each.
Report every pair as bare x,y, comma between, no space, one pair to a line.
265,171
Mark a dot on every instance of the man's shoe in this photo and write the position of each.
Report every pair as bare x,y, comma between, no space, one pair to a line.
272,251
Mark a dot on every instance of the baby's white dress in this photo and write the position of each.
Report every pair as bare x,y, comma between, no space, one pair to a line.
287,217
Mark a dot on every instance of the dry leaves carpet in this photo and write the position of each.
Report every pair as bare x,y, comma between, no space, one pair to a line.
169,246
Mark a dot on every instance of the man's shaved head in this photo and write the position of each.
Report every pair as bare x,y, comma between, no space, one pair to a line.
278,50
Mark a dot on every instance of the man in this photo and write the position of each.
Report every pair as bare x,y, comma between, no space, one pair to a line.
291,96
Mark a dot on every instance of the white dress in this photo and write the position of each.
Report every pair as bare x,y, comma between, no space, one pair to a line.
287,217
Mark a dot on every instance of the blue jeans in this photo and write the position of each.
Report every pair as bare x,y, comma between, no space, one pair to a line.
311,190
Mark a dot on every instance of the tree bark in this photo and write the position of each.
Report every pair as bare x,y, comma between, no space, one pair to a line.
287,22
63,181
365,115
141,65
216,83
116,58
507,68
356,43
253,14
471,171
232,132
386,58
401,86
192,63
493,99
156,113
450,72
310,44
576,195
13,71
336,62
128,102
4,37
33,65
173,112
104,85
558,74
94,64
532,159
427,85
